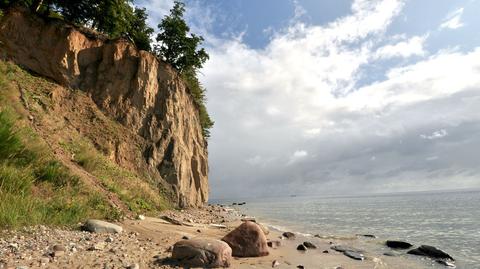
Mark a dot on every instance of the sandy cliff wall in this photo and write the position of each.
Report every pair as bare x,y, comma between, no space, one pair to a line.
130,86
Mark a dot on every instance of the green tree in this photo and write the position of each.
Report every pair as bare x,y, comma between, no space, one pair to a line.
180,48
176,46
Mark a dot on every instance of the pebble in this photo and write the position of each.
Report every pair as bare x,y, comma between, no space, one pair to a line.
275,263
301,247
134,266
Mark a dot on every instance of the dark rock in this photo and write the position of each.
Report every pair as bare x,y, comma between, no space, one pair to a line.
391,254
247,240
446,263
300,267
325,251
202,252
275,263
429,251
274,244
289,235
367,235
341,248
302,247
398,244
185,237
354,255
309,245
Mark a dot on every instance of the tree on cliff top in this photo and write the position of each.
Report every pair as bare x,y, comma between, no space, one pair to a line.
180,48
115,18
175,45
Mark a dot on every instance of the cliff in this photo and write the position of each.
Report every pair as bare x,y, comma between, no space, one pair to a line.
132,87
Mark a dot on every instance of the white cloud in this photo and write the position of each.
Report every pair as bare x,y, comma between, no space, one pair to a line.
453,20
297,155
405,49
310,78
435,135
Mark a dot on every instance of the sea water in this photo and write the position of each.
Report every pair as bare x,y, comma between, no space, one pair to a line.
447,220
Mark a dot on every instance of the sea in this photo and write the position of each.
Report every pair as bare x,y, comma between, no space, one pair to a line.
448,220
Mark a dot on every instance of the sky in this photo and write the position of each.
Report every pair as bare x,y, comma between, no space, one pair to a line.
339,97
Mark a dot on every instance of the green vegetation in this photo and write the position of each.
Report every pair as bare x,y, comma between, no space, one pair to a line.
136,193
179,47
34,187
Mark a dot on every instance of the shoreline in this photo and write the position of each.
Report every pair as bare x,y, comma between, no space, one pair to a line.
146,243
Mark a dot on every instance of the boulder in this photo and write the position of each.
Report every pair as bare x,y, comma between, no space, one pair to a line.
289,235
341,248
398,244
247,240
301,247
202,252
100,226
432,252
354,255
309,245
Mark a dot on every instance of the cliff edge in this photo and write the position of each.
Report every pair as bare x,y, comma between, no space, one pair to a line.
132,87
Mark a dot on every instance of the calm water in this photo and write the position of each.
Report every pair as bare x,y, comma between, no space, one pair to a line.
448,220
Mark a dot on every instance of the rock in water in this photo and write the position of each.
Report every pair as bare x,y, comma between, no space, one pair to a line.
398,244
309,245
354,255
289,235
202,252
429,251
99,226
447,263
341,248
247,240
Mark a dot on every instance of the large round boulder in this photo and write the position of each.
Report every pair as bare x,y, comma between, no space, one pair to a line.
202,252
247,240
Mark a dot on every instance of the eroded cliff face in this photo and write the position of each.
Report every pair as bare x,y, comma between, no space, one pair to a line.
130,86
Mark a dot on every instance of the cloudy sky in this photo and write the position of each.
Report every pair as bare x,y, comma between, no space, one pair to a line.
339,96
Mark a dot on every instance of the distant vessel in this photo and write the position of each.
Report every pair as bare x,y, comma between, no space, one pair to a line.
293,195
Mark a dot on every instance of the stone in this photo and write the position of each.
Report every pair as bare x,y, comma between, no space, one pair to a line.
325,251
202,252
391,254
354,255
300,267
274,244
141,217
367,235
447,263
97,246
288,235
247,240
398,244
59,248
185,237
109,239
309,245
301,247
432,252
58,253
100,226
275,263
341,248
134,266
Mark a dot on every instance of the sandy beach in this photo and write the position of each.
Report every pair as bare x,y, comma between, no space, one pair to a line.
147,243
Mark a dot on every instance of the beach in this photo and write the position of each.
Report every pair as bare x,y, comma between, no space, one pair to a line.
147,243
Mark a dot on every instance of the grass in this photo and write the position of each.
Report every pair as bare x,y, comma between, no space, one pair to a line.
34,187
132,188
